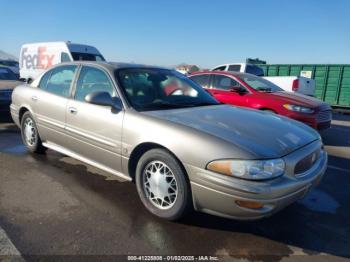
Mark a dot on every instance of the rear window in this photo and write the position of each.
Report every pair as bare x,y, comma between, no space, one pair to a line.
254,70
7,74
234,68
86,57
9,63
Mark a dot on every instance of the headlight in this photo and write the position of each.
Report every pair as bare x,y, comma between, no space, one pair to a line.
301,109
249,169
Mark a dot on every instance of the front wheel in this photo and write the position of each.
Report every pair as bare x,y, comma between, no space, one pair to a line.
162,185
30,135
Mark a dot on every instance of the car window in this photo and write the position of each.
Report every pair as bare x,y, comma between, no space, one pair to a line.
234,68
44,79
202,80
224,82
92,80
86,57
254,70
7,74
260,84
60,80
9,63
160,89
220,68
65,57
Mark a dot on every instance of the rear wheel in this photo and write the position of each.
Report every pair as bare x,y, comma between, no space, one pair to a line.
30,135
162,185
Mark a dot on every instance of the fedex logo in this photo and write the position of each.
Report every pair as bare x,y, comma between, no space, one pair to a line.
40,60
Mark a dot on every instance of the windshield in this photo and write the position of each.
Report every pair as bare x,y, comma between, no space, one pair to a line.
260,84
158,89
7,74
86,57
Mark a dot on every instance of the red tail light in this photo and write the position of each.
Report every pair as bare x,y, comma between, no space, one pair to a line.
295,85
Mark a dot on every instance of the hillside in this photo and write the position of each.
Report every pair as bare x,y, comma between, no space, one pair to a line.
6,56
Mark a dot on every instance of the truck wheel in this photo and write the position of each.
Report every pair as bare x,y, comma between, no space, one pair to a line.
162,185
30,135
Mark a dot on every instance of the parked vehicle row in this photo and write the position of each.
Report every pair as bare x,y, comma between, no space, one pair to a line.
8,81
182,148
247,90
295,84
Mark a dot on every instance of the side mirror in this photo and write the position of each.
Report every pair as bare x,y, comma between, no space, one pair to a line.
237,89
104,99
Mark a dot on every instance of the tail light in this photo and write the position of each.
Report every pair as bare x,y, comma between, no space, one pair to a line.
295,85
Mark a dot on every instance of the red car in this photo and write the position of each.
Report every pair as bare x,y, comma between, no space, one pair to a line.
241,89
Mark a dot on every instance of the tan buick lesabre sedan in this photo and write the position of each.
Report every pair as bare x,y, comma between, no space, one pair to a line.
182,148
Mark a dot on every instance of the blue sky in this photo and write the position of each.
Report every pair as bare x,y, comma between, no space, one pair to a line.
169,32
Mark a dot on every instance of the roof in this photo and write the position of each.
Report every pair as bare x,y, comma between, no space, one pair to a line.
112,65
228,73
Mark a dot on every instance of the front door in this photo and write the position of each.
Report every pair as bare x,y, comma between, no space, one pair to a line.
221,89
94,131
49,103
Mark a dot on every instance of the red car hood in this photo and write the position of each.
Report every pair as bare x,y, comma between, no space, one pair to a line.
298,99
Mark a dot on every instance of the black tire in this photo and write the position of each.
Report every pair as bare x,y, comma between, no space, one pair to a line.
183,201
36,146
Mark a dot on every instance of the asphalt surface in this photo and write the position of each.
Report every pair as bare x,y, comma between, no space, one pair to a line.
54,206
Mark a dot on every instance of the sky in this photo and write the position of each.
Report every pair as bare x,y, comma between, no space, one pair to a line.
170,32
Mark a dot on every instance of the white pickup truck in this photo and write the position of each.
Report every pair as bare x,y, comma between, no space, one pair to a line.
299,84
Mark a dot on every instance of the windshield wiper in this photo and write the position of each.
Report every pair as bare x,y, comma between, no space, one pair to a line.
264,89
205,104
162,105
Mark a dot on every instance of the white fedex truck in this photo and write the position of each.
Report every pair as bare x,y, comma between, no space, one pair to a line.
35,58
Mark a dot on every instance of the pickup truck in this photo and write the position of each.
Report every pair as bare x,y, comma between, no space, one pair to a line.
298,84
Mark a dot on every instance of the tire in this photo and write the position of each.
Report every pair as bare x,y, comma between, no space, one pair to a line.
31,137
152,190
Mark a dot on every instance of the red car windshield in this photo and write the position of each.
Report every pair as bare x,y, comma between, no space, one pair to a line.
260,84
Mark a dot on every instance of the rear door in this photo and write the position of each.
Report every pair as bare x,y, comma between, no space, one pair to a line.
221,89
94,131
49,102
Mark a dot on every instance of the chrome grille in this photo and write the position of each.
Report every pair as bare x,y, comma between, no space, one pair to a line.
324,116
307,162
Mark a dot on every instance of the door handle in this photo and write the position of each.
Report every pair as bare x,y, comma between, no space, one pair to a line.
73,110
34,98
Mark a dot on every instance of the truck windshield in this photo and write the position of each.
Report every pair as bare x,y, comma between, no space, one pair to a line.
160,89
86,57
260,84
7,74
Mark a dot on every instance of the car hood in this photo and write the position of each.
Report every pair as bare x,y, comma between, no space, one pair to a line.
297,99
9,84
262,134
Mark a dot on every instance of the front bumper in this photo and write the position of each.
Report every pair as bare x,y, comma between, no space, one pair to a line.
216,194
311,120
